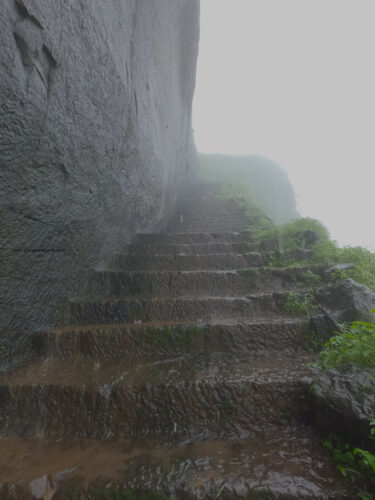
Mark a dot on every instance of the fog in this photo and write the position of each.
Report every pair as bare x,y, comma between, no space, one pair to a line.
294,80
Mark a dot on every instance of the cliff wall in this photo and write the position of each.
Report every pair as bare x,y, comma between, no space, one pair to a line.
95,138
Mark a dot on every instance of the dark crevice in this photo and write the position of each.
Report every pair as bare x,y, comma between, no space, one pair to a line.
23,12
136,102
42,77
64,171
52,61
24,52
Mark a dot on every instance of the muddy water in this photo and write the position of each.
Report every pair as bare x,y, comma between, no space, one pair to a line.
100,372
196,397
288,462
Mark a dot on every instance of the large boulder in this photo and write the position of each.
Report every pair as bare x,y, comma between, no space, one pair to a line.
344,397
344,401
95,140
347,301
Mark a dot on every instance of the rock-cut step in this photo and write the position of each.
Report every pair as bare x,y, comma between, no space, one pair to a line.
288,336
197,218
283,465
188,248
184,309
187,262
194,237
208,226
194,397
214,283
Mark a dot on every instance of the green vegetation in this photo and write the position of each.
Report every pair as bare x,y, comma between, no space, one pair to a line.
314,342
363,260
290,234
355,464
300,304
355,346
300,233
310,276
234,190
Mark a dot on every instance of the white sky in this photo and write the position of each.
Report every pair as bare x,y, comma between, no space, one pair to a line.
294,80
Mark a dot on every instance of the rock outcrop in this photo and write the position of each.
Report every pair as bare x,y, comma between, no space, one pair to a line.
344,401
95,137
348,301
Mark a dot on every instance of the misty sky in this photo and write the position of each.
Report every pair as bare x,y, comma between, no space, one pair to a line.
294,80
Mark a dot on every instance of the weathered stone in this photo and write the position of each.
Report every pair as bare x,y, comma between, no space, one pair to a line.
95,137
324,326
347,301
344,400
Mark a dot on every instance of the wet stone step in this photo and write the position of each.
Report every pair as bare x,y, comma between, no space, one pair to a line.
189,309
195,237
202,283
203,226
273,258
184,398
288,465
210,216
187,262
262,338
188,249
213,216
201,220
203,203
199,228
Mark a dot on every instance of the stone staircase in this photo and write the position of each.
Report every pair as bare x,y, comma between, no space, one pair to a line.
182,373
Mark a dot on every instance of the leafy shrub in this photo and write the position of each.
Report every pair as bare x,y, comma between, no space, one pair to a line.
289,234
300,304
356,346
355,464
325,251
310,276
363,259
314,342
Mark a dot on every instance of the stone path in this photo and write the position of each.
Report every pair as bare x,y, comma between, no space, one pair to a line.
182,372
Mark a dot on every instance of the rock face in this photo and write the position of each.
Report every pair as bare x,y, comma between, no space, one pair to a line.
348,301
95,137
344,400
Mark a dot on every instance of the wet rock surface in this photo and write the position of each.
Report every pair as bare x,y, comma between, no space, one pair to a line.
288,464
344,399
348,301
95,142
181,371
191,397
